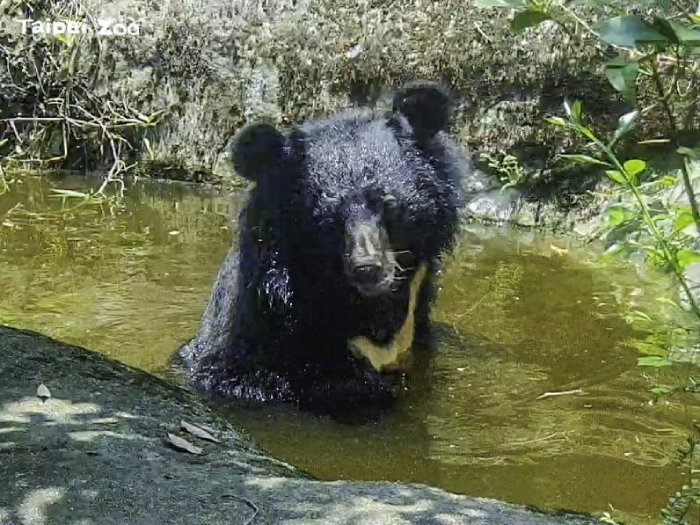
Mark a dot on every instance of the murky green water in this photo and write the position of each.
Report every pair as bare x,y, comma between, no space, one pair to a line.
517,319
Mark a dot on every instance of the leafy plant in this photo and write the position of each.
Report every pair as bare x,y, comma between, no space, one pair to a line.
507,167
665,247
656,55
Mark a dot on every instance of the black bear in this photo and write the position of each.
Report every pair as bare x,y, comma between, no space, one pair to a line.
332,277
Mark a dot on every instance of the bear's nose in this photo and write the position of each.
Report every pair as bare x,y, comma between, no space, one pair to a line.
367,273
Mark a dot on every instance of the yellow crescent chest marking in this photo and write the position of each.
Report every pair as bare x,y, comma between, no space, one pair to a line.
390,355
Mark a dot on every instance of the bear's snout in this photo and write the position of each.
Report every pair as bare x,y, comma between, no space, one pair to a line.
367,274
370,263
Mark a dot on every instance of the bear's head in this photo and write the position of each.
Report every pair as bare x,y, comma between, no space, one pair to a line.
364,197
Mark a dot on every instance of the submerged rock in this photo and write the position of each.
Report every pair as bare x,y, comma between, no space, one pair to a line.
97,451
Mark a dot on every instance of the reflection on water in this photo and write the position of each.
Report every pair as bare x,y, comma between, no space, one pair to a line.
127,282
516,318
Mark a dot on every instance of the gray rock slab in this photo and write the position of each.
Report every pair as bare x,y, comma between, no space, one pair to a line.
95,452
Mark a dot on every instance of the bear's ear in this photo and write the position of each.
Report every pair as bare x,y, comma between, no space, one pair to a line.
426,106
257,149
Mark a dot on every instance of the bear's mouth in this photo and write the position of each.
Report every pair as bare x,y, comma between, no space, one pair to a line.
382,286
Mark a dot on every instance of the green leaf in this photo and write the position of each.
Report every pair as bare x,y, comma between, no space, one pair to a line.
634,167
512,4
695,19
683,220
624,124
64,38
678,33
557,121
586,133
584,159
616,176
622,75
618,214
629,31
528,18
655,361
667,180
686,257
577,110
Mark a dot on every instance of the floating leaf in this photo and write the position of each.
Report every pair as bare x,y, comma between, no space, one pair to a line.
629,31
618,214
622,75
197,432
70,193
654,361
528,18
43,392
556,250
183,445
584,159
686,257
616,176
661,390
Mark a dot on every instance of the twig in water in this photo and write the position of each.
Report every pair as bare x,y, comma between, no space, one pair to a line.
537,440
562,393
252,505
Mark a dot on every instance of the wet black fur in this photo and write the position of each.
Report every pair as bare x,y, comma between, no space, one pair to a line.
282,310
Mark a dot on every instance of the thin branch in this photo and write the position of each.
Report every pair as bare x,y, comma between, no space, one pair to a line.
673,126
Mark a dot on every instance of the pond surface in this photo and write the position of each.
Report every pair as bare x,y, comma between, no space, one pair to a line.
520,314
